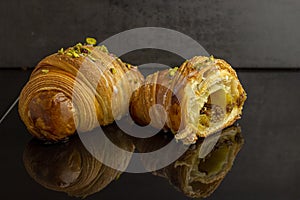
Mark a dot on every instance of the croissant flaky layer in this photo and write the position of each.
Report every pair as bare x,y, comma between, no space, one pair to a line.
76,89
197,99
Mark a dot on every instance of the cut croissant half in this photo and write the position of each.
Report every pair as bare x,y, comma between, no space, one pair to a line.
197,99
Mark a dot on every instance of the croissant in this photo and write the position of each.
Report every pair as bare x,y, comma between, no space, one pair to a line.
79,88
70,168
200,177
199,98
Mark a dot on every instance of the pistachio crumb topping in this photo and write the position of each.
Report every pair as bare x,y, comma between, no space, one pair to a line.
45,71
61,51
91,41
119,60
78,50
69,54
129,66
82,49
113,70
75,55
78,45
173,71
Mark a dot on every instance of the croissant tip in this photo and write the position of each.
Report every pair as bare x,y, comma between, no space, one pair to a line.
51,115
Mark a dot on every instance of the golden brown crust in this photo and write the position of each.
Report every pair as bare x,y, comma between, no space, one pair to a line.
66,93
58,108
176,90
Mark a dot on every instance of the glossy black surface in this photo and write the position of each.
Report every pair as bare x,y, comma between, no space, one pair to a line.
267,167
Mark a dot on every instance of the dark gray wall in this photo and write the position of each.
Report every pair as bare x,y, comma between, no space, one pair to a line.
249,33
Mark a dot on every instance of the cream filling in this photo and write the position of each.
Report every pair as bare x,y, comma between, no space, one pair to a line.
220,92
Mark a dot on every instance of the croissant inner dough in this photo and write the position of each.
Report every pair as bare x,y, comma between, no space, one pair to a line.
208,112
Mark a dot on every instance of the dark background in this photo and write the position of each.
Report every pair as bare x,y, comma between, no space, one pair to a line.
260,38
248,33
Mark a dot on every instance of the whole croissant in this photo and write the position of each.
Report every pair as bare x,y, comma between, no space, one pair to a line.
201,97
79,88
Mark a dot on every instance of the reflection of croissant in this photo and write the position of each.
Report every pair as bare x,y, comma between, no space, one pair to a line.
76,88
70,168
199,177
202,96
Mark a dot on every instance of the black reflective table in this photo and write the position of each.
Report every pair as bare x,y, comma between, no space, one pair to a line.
267,166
